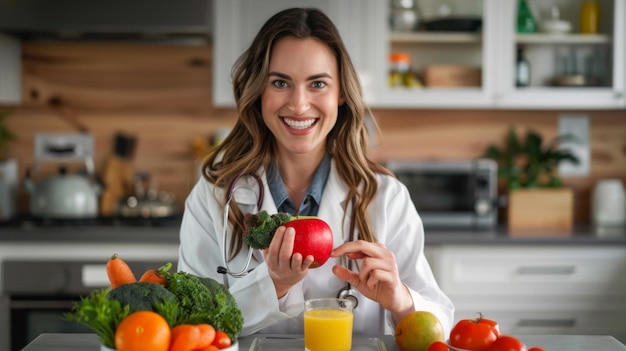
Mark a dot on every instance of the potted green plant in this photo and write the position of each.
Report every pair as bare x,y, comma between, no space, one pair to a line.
537,199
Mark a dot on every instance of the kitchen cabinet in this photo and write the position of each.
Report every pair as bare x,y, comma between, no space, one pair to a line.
533,289
10,70
493,49
587,69
365,28
236,22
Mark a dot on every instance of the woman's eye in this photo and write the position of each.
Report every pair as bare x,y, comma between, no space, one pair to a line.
279,83
319,84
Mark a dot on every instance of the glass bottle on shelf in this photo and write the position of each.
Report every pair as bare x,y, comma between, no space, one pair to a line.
525,20
400,74
590,17
522,69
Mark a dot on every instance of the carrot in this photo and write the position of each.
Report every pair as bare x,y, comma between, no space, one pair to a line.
119,272
156,275
184,337
207,348
207,335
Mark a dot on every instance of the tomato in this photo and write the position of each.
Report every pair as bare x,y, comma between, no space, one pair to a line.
143,330
536,349
474,334
438,346
222,340
494,325
507,343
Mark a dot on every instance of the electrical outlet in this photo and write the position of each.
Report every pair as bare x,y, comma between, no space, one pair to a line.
577,126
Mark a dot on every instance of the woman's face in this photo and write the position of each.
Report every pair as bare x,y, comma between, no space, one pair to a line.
302,95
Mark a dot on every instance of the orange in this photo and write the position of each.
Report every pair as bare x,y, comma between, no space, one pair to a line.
417,331
143,330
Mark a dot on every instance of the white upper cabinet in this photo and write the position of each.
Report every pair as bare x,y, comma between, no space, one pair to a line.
472,68
572,70
451,68
10,70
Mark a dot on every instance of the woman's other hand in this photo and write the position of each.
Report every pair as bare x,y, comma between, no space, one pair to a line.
377,277
285,269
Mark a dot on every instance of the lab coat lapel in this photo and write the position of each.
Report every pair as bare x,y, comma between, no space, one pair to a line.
332,207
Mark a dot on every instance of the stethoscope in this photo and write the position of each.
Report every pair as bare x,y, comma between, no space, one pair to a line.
346,293
224,268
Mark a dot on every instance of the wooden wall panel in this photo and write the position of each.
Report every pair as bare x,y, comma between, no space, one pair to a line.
161,94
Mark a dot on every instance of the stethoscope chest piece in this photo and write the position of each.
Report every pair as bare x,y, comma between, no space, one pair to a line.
349,294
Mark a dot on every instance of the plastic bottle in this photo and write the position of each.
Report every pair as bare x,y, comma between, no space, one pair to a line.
590,17
525,20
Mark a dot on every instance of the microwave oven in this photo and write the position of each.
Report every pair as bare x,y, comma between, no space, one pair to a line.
456,194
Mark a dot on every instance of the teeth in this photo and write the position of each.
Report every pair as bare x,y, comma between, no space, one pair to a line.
295,124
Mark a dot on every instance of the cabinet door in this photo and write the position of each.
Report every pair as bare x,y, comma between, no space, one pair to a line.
10,70
569,70
237,21
443,61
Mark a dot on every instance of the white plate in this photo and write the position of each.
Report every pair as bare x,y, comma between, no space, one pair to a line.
453,348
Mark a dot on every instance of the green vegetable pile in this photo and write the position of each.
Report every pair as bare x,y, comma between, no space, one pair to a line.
186,299
259,228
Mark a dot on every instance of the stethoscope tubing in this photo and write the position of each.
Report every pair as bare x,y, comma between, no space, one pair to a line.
225,268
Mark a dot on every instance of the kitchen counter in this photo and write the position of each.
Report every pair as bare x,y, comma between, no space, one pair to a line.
90,342
167,233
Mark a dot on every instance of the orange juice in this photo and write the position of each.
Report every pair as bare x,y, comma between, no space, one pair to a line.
327,329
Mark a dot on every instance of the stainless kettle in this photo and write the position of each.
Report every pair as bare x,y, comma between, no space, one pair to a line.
63,195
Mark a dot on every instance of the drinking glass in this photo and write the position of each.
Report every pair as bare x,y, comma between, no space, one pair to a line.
328,324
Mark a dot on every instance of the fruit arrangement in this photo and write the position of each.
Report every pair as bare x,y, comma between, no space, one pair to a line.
422,331
162,311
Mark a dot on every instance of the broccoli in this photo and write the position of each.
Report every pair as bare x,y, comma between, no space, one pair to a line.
259,228
142,296
204,300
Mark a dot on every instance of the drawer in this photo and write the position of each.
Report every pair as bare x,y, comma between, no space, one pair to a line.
542,322
532,270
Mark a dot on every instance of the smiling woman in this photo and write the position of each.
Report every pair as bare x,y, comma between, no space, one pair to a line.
301,129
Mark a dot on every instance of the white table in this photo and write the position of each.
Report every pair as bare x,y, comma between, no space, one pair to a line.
90,342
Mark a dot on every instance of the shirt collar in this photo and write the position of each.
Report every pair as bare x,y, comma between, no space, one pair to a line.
315,190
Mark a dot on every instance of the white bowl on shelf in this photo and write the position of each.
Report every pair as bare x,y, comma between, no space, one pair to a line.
555,27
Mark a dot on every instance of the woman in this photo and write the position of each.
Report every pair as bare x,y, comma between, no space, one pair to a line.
301,130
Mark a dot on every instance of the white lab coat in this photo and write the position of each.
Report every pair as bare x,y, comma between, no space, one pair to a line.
393,219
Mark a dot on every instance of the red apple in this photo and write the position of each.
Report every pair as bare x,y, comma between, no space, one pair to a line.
313,237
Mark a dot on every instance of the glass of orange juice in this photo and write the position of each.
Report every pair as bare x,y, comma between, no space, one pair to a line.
328,324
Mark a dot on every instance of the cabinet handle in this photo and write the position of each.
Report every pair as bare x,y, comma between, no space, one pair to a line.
541,270
547,323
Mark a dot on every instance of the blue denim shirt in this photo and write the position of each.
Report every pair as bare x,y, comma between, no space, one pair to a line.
311,202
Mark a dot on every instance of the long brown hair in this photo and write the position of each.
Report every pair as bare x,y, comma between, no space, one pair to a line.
250,145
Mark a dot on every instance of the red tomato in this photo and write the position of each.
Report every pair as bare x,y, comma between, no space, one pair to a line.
438,346
222,340
507,343
473,334
494,325
536,349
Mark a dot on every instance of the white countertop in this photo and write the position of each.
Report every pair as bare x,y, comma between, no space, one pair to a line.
90,342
